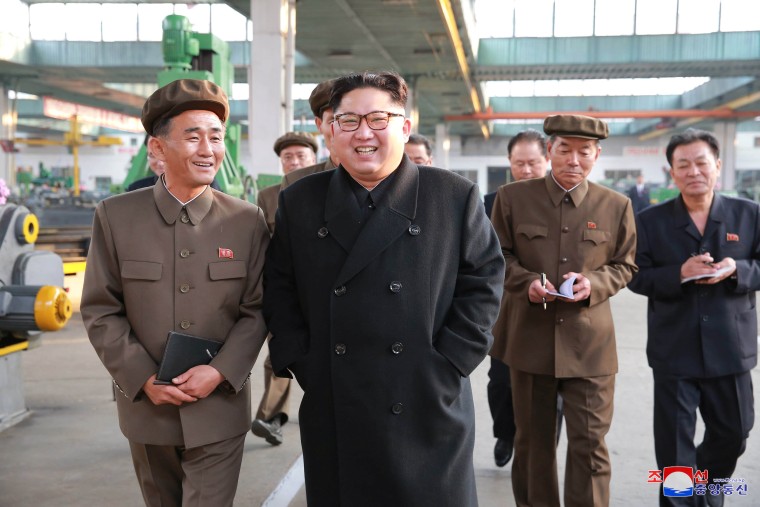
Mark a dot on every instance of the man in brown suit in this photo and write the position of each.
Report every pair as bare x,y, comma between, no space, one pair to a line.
296,151
273,408
562,227
180,256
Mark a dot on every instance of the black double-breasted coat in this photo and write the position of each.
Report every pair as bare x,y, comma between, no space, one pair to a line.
382,323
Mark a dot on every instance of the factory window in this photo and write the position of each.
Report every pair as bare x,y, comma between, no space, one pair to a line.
119,22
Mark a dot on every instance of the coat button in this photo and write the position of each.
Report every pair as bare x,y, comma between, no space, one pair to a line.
397,348
184,288
340,349
560,320
323,232
340,290
565,229
567,198
395,287
397,408
184,218
705,318
563,260
184,324
415,230
184,253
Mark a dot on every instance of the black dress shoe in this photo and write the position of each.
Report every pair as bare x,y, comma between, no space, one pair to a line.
502,451
270,430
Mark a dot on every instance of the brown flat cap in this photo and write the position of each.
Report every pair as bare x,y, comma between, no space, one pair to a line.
184,95
294,139
319,99
575,125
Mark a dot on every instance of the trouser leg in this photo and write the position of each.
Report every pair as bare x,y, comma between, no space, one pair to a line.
211,473
588,406
276,398
675,419
500,400
159,473
534,470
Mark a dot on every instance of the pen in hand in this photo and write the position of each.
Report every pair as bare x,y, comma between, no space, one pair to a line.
543,285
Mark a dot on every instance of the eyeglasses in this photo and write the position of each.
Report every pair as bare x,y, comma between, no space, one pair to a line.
376,120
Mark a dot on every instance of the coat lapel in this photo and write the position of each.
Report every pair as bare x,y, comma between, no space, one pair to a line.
342,213
682,220
390,220
715,219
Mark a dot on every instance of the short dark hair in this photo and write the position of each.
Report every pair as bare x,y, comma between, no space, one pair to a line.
419,139
689,136
387,81
528,136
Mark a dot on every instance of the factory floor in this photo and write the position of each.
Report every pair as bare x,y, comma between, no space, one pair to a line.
69,451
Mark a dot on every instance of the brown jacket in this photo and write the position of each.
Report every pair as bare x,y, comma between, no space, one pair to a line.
155,266
267,198
592,232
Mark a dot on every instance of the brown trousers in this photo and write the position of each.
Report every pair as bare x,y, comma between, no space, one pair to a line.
276,398
588,414
198,477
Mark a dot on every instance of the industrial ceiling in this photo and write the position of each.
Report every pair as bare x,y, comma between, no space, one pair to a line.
413,38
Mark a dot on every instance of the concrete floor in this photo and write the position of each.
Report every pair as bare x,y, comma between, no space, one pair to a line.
69,451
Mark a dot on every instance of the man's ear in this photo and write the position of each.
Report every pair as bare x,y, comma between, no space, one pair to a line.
156,147
407,129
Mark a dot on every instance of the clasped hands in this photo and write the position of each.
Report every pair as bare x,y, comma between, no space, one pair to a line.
581,289
195,384
703,264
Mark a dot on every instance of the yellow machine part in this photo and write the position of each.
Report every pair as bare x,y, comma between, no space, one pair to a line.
31,228
52,308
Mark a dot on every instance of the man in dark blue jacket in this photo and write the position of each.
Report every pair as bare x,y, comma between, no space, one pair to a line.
699,265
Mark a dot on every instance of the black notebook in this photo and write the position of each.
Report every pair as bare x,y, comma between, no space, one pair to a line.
182,352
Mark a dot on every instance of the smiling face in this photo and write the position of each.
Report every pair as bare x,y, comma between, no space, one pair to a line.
369,155
572,159
192,152
695,170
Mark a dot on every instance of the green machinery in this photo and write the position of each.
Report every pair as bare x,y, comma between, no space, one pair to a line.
192,55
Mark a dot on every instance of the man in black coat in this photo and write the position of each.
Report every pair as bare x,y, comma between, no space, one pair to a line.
383,282
699,265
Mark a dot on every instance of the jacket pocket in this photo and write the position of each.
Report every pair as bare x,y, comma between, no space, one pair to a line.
596,237
226,270
141,270
533,231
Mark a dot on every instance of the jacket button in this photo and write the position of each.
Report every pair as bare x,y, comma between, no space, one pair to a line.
560,320
567,198
415,230
395,287
565,229
184,324
184,218
184,253
705,318
340,290
397,408
184,288
340,349
323,232
563,260
397,348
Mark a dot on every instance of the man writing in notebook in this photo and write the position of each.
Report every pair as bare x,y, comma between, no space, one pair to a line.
565,227
182,257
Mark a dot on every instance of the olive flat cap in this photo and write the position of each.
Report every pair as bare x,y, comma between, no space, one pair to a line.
184,95
575,125
319,99
294,139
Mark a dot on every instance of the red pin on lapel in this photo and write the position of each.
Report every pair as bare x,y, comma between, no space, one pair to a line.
730,236
590,225
225,253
